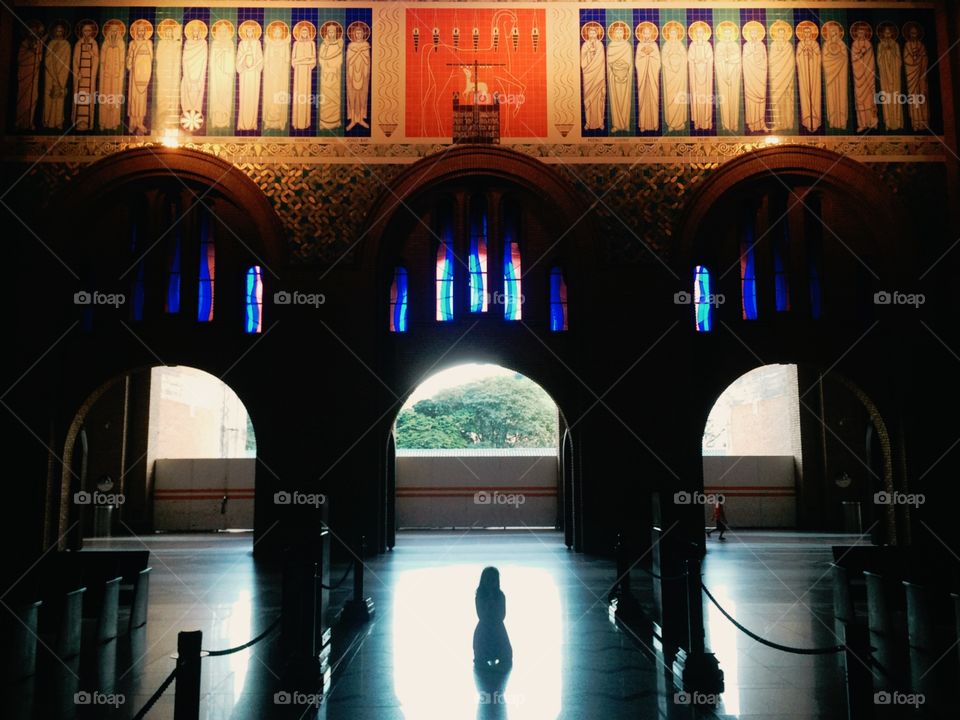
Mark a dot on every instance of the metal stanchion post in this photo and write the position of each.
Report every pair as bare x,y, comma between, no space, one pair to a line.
186,702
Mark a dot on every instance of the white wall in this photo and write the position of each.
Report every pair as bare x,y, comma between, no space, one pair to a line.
477,488
759,491
188,493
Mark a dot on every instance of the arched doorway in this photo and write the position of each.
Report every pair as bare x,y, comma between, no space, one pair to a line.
787,446
160,449
478,446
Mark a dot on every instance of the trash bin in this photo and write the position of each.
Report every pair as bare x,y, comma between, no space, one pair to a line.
103,521
852,519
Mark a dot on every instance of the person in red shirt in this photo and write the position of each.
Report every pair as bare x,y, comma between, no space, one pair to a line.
719,518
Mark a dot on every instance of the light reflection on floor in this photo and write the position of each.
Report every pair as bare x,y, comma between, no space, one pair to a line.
433,625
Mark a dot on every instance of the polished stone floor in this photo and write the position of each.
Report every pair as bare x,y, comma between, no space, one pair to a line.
413,662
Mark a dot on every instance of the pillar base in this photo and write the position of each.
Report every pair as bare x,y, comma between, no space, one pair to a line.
697,672
358,611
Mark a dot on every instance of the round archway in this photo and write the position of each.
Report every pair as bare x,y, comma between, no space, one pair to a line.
478,446
158,449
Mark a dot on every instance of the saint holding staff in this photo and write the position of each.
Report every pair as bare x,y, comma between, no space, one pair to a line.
304,60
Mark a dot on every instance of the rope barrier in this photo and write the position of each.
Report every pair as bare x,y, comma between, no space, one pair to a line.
254,641
340,581
662,578
769,643
156,696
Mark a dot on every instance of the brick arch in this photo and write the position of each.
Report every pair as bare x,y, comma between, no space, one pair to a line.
873,201
569,210
191,166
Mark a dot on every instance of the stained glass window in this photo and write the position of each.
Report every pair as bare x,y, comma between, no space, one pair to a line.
558,301
478,254
512,274
172,304
781,251
253,300
444,276
398,301
748,263
207,269
702,299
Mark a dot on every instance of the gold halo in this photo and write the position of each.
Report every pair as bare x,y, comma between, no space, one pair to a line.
311,29
359,25
280,24
78,28
752,25
141,23
782,24
219,24
670,26
618,24
861,25
884,25
654,32
694,26
808,25
592,24
257,30
907,27
114,23
169,23
728,25
196,23
328,23
832,23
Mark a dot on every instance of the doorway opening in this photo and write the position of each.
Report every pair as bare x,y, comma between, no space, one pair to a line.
478,447
161,449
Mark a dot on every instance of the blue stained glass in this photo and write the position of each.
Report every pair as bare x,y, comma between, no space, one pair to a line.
207,270
173,277
445,280
512,274
398,301
478,256
781,279
253,299
702,299
748,266
558,301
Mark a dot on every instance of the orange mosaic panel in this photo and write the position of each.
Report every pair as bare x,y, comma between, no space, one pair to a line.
483,52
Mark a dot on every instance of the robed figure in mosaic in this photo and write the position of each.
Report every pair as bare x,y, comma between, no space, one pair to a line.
783,78
700,60
890,65
193,84
729,75
249,68
755,77
648,77
56,76
675,77
113,58
304,60
86,68
864,63
917,64
223,75
809,65
836,75
593,71
358,74
139,71
169,54
29,56
276,76
619,76
330,60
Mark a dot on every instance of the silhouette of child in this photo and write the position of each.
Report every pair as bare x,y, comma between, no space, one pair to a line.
491,645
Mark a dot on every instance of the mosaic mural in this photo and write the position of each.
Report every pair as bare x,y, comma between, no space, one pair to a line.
297,72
